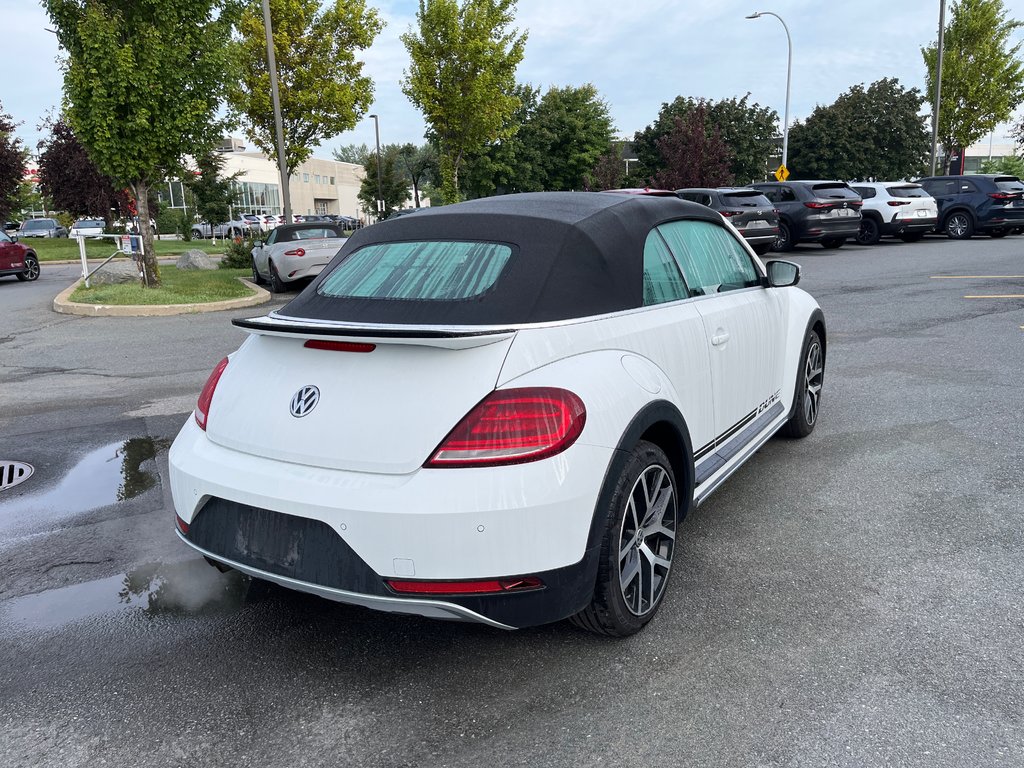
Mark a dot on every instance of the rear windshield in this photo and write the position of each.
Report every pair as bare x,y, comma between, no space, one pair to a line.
38,224
1010,184
746,199
911,190
89,223
418,271
312,233
834,191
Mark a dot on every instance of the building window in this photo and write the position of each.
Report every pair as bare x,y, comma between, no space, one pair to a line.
305,178
332,181
317,178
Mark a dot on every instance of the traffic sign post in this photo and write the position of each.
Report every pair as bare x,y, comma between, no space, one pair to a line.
781,173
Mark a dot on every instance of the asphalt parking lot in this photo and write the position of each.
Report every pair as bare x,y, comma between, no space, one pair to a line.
852,599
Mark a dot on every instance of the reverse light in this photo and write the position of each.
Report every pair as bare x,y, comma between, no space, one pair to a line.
513,426
202,411
295,252
486,586
339,346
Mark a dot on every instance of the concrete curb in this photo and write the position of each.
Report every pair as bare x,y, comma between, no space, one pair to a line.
65,306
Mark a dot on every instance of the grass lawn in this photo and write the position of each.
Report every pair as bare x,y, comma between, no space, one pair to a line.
177,287
67,247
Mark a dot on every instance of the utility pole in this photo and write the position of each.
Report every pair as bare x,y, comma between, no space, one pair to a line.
380,181
938,83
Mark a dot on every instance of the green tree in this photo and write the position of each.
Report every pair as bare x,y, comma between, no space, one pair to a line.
141,85
322,88
509,164
982,75
212,192
394,187
866,133
419,164
1010,165
570,129
352,153
748,129
461,75
12,165
693,156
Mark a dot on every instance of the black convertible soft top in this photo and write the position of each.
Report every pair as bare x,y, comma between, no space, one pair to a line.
575,254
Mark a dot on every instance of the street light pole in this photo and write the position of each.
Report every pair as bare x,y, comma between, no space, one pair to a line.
282,161
938,84
789,79
380,183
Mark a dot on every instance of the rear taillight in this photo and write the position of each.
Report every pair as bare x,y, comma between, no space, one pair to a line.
295,252
1004,196
818,205
484,586
895,203
855,203
340,346
730,213
202,412
512,426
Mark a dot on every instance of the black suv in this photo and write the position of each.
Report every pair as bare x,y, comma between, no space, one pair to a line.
825,212
746,209
978,203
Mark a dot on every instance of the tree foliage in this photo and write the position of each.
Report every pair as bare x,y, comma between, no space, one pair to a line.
394,186
608,172
570,129
12,165
461,75
212,192
419,165
510,164
1009,165
71,180
692,155
142,84
867,133
322,87
982,74
352,153
748,129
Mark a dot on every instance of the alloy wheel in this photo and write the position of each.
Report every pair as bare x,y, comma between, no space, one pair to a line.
813,372
647,540
958,225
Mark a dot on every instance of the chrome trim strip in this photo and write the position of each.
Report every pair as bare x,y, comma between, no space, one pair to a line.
699,498
437,609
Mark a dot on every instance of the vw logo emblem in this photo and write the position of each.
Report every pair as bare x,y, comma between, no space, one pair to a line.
304,401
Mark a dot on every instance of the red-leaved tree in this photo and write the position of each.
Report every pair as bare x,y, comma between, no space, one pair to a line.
692,155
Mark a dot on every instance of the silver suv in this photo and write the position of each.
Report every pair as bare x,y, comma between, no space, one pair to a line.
42,228
897,209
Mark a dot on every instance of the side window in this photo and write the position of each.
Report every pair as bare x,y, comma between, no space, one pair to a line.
691,196
662,279
272,237
967,187
712,260
770,192
866,193
704,200
786,195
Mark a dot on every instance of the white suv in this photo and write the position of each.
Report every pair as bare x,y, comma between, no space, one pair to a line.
897,208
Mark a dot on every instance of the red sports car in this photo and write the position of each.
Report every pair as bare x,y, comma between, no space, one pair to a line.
17,259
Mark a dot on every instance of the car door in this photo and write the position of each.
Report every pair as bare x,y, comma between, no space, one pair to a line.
262,254
9,253
943,190
743,326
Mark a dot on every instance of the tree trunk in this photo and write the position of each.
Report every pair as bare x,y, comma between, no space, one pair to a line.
150,268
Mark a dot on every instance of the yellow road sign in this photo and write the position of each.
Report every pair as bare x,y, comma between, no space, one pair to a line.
782,172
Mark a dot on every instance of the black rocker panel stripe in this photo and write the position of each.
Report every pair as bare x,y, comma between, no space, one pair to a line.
721,457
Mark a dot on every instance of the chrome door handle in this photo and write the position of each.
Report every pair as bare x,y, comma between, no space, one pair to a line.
720,338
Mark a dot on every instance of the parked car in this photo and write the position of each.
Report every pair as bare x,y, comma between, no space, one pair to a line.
255,223
500,410
11,226
17,259
42,228
228,230
269,222
988,203
87,228
825,212
294,252
746,209
895,209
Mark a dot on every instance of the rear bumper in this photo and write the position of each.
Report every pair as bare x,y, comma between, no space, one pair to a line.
901,226
815,231
441,524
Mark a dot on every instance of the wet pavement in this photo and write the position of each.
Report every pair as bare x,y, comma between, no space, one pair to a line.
848,600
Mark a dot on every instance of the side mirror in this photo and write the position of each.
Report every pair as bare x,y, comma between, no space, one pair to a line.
14,238
782,273
257,244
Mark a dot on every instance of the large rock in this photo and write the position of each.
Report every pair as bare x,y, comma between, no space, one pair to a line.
116,272
194,259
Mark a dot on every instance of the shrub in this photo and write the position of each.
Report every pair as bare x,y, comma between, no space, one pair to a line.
238,255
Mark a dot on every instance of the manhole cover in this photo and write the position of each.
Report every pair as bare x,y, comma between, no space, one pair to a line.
14,472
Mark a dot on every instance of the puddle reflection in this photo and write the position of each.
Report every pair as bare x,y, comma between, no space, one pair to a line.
191,588
104,476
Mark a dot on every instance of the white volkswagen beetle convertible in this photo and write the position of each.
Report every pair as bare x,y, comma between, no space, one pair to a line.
501,410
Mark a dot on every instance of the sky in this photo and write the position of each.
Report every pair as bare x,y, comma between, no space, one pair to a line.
639,55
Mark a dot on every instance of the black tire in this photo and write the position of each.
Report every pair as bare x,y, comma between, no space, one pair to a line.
831,243
912,237
276,283
197,234
31,269
869,233
785,241
997,233
810,377
256,277
621,607
959,226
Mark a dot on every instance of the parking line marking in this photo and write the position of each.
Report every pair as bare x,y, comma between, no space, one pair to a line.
977,277
998,296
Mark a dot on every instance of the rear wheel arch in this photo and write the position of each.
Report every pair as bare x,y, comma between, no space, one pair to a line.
816,323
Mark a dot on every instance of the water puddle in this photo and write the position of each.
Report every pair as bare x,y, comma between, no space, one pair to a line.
190,588
104,476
